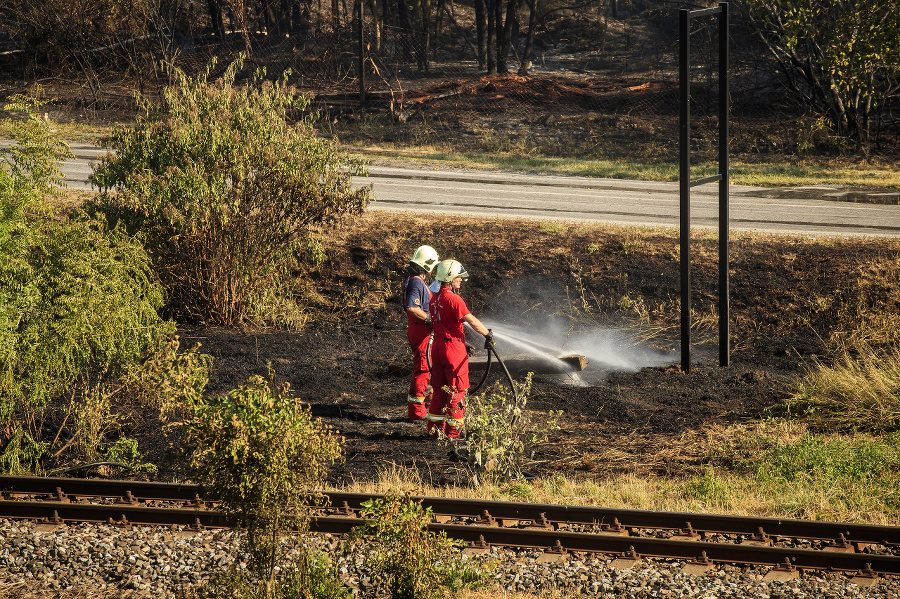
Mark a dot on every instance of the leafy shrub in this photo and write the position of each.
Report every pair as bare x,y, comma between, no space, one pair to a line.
501,435
149,398
419,564
28,171
262,455
78,308
312,577
21,454
30,166
87,313
225,191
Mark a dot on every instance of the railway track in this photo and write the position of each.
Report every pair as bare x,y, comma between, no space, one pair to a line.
702,540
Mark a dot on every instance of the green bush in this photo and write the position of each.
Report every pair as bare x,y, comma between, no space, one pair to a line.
225,191
501,436
149,398
312,577
419,564
262,456
78,308
28,171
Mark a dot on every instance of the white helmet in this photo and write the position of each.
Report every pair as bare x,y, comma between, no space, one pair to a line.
449,270
426,257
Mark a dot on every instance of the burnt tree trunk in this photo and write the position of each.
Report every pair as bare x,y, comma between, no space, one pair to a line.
491,46
215,17
504,33
480,33
529,38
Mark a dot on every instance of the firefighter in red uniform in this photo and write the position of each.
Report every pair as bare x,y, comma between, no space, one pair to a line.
449,356
416,296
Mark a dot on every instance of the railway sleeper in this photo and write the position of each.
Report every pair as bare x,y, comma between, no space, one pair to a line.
759,539
698,566
840,544
123,523
127,498
557,553
626,560
865,578
615,528
688,533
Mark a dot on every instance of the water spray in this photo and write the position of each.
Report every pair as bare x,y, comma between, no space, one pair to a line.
583,357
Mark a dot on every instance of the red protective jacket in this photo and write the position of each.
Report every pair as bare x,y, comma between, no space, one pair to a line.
449,363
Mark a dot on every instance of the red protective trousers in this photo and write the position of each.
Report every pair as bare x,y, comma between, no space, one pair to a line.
450,369
419,394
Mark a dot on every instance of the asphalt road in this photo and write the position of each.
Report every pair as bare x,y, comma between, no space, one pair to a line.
816,210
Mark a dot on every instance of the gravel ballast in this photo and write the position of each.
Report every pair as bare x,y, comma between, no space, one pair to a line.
158,562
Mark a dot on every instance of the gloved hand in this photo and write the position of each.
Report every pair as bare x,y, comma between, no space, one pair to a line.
470,349
489,340
428,319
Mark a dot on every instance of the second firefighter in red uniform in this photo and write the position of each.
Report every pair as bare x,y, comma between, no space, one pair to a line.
449,356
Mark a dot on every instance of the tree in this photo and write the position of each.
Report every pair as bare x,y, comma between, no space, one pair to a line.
529,39
495,21
91,35
224,192
841,57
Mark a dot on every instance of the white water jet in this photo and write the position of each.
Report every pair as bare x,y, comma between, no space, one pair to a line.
607,350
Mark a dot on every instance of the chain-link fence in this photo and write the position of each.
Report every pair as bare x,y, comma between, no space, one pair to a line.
601,77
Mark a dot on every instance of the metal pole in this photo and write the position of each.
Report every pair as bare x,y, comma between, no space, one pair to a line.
362,56
685,186
724,197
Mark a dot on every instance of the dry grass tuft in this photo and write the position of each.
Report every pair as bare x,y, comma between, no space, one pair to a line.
860,391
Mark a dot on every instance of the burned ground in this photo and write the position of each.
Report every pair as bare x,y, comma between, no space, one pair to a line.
351,362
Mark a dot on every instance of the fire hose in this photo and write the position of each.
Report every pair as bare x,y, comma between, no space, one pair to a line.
491,349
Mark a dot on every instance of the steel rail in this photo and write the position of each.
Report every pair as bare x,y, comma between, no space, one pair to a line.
559,541
85,487
497,512
613,519
64,512
554,541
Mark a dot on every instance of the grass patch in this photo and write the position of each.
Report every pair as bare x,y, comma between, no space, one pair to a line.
773,171
784,172
860,391
777,171
803,474
771,470
71,131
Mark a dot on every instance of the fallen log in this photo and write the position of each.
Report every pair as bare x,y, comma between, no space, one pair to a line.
521,365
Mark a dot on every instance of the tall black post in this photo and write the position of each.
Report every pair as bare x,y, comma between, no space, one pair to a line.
724,197
685,186
362,56
686,183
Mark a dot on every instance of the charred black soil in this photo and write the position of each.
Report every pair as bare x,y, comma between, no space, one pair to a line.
351,362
